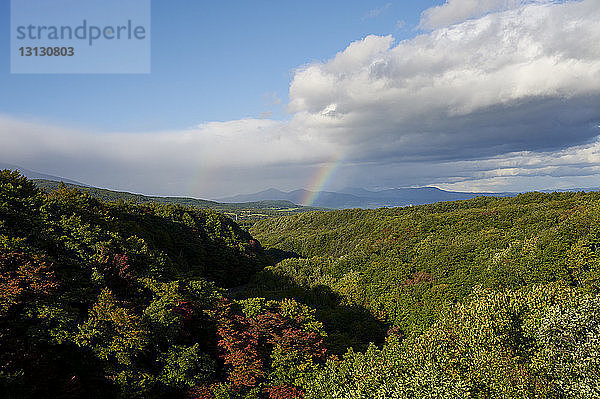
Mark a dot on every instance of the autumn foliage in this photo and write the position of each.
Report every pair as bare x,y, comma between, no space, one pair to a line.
23,278
284,392
255,343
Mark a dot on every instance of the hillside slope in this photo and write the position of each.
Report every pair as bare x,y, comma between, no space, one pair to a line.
30,174
123,300
409,264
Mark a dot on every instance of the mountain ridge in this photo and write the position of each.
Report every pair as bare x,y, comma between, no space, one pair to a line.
244,213
353,197
31,174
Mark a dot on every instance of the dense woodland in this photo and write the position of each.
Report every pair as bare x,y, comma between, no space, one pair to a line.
485,298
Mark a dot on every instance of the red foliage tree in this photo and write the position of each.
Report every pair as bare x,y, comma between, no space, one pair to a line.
239,342
23,278
202,392
284,392
247,342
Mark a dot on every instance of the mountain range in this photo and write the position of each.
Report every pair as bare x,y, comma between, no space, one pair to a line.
361,198
351,197
30,174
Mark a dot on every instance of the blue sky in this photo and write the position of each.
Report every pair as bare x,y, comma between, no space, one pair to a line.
465,95
211,61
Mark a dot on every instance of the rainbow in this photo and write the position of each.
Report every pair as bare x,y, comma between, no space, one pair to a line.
321,178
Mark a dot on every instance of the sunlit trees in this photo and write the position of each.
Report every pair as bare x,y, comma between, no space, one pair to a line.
537,342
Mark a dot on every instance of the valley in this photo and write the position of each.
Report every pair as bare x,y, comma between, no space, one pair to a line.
136,297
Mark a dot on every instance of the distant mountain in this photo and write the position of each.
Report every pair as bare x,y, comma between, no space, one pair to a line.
271,194
30,174
362,198
324,199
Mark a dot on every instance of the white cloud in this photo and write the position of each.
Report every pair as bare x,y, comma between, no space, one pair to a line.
211,156
523,79
456,11
374,13
271,98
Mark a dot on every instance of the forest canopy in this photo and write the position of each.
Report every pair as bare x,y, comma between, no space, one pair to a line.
491,297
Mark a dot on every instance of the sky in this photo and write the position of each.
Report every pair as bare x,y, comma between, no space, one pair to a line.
464,95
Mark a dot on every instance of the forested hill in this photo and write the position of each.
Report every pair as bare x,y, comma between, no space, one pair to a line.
485,298
245,213
112,196
406,265
106,300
